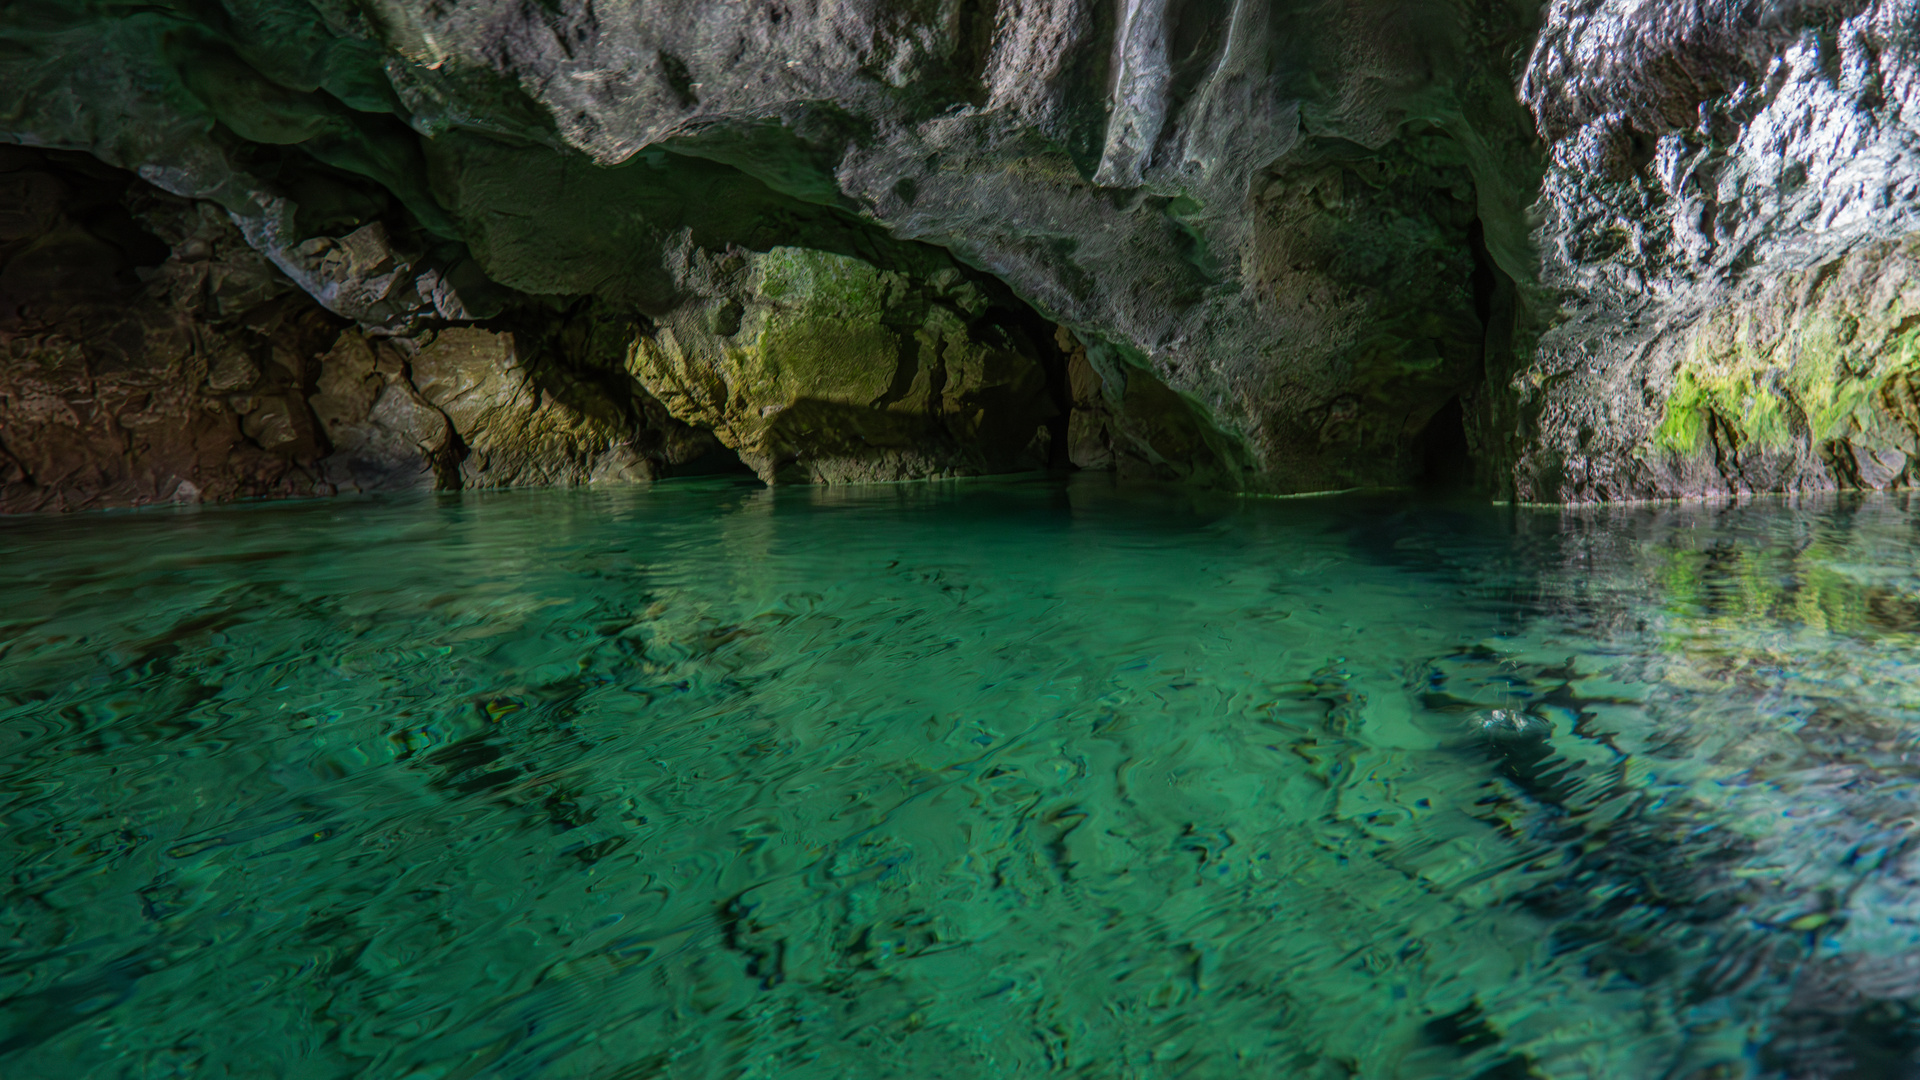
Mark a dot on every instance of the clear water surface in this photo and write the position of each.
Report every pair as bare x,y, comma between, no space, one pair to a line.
999,779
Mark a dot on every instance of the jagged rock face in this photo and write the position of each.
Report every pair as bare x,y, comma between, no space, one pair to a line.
1281,212
1290,246
148,354
1810,382
1725,217
1133,425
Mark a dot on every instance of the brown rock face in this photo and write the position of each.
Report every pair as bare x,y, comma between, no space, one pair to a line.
149,354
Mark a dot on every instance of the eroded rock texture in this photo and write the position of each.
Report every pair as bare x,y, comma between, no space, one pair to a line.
1267,245
1287,216
148,354
1727,221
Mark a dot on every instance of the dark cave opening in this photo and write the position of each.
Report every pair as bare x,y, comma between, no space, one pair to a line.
67,235
1486,276
1455,452
1442,455
1038,334
717,460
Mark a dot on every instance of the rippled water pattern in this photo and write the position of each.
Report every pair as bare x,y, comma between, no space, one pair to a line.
992,780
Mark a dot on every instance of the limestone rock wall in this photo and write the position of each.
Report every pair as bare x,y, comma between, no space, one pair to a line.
149,354
1808,383
1292,245
1280,212
1724,253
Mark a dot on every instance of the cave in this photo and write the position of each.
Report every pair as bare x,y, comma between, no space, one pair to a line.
1445,457
890,538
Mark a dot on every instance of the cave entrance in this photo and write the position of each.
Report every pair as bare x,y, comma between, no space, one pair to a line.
720,460
1442,456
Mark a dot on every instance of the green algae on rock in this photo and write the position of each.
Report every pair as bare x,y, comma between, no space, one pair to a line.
1711,164
1333,234
1807,384
824,368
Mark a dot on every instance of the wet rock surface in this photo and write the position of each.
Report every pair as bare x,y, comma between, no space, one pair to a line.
1731,189
1299,246
1806,383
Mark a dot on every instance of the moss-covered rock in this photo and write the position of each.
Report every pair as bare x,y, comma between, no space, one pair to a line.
822,367
1712,229
1805,384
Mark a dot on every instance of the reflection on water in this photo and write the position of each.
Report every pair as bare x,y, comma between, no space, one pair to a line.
989,780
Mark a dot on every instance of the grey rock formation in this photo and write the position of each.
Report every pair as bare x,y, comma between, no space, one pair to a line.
1292,246
1724,225
1269,207
1277,211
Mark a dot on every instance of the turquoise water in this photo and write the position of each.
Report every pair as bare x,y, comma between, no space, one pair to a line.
1007,779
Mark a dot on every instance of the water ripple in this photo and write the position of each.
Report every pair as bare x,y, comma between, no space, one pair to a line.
984,780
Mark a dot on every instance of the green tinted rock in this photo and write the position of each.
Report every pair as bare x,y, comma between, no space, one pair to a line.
822,367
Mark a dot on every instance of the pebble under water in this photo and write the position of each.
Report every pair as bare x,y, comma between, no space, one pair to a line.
982,780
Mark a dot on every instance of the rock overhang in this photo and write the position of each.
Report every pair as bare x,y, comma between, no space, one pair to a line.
1332,235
